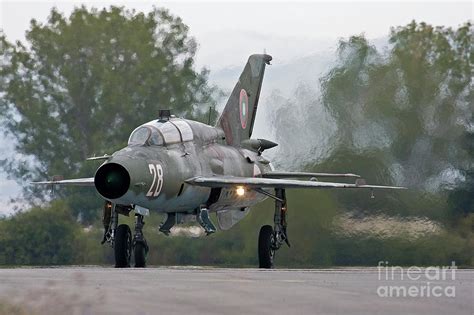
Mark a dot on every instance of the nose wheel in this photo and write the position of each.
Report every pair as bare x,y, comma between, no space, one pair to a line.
123,246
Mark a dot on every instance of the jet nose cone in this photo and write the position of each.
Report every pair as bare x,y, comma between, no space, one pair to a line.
112,180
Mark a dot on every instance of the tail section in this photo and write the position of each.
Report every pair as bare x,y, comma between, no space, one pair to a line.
238,116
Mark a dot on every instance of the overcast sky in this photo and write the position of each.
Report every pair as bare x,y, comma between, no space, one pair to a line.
228,32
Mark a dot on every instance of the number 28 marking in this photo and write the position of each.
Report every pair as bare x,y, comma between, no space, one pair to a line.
157,171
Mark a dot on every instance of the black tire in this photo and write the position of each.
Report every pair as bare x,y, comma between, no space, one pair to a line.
266,253
123,246
139,252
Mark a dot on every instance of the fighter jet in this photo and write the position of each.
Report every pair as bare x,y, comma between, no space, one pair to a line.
187,170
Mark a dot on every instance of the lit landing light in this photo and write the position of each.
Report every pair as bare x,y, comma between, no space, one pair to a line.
240,191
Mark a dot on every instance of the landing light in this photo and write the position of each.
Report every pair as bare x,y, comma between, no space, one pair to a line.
240,191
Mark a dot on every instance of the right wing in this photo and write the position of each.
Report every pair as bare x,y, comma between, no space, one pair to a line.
69,182
278,174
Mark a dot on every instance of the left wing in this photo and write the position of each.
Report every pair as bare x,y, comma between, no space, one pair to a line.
69,182
257,182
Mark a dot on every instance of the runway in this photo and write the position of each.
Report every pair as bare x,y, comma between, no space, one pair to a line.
196,290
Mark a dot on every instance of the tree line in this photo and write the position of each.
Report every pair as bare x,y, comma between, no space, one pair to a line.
81,83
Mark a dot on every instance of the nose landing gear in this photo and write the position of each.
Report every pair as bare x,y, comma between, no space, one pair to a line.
120,236
270,239
140,247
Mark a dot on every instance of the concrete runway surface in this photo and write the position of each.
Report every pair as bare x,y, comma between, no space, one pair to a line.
196,290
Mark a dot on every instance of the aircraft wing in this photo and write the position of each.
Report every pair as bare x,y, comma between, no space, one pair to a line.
69,182
278,174
257,182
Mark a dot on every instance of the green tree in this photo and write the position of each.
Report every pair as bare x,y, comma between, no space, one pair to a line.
401,115
409,107
82,83
461,198
40,236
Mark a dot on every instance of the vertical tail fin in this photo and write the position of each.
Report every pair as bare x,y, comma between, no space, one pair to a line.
238,116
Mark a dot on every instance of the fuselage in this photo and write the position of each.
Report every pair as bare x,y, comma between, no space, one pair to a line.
162,154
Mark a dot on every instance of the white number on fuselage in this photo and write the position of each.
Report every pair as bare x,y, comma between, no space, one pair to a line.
157,171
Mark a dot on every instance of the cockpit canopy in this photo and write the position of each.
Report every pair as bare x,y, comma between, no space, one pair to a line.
158,133
145,135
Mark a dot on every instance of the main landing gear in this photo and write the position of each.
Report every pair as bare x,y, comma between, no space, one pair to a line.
271,238
120,236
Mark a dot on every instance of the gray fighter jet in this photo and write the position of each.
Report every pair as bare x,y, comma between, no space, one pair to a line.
188,169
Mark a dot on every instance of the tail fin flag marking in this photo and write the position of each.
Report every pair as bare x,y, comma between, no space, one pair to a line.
244,103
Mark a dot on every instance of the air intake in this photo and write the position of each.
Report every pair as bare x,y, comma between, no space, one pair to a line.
112,180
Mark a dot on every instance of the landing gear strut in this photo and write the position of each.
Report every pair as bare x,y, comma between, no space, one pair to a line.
120,236
202,217
270,239
140,247
110,221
